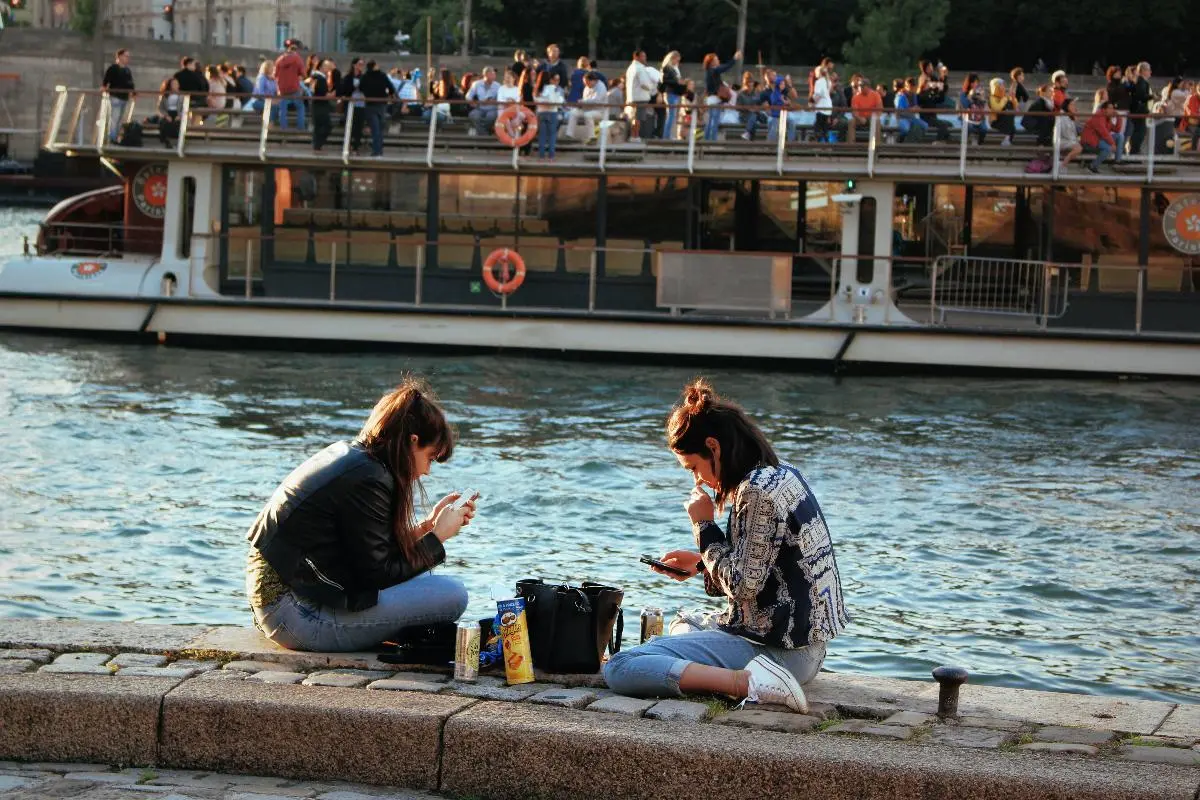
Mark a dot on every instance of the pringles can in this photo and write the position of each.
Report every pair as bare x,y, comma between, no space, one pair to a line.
514,636
466,652
652,623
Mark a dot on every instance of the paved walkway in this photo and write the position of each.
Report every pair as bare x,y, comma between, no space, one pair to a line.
101,782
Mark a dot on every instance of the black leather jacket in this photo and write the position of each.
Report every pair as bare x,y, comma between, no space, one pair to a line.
327,530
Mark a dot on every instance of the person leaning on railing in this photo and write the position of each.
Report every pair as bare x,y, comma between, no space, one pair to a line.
377,90
716,91
323,97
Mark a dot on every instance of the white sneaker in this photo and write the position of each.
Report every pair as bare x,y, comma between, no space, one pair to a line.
772,684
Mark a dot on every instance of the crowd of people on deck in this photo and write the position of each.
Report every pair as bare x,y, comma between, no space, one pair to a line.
653,100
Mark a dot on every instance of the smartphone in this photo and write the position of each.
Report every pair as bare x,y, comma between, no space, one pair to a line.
654,562
466,496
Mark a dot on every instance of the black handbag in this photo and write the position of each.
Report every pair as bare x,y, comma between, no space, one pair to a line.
571,627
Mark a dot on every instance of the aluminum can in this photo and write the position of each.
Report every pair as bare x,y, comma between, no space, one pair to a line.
652,623
466,652
514,635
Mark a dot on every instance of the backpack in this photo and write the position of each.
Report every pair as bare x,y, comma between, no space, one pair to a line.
1039,165
131,135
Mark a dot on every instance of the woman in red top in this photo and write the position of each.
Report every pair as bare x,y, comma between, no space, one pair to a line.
1191,121
1101,135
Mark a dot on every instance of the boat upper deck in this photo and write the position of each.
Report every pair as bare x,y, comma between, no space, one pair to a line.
81,123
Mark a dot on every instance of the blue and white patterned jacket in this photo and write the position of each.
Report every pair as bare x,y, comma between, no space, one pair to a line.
775,564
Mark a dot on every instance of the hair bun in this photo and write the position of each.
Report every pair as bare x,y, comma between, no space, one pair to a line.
698,396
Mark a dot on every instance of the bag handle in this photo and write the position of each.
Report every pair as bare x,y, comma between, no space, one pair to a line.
614,644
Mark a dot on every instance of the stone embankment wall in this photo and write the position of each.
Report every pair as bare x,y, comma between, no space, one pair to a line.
226,700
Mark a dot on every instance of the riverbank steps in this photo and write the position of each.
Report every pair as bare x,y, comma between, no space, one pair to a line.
224,703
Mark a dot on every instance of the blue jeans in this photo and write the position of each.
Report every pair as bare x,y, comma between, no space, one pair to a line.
299,625
980,129
917,128
375,118
672,114
712,118
114,120
1103,151
285,103
547,133
654,668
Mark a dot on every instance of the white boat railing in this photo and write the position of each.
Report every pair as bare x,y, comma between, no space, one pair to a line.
962,290
785,152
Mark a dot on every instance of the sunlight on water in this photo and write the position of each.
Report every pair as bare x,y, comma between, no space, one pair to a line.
1044,533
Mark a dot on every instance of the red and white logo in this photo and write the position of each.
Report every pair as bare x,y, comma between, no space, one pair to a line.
86,270
150,190
1181,224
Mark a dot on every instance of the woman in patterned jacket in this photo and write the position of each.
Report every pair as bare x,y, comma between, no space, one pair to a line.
774,564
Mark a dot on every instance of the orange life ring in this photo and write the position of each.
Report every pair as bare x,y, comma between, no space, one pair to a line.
509,125
507,260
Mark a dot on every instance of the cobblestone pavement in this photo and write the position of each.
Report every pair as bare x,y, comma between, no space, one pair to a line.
100,782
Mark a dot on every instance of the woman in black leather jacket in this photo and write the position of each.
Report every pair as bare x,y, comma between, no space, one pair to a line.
338,562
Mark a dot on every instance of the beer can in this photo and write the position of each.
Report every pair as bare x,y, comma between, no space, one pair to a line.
652,623
514,635
466,652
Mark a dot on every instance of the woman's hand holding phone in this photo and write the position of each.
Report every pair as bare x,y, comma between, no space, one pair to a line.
449,517
686,561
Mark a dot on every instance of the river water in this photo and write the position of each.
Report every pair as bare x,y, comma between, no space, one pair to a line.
1046,534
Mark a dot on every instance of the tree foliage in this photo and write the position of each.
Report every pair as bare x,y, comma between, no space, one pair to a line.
887,35
890,35
83,18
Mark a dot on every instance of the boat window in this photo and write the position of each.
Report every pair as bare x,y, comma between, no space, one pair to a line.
823,218
244,188
337,199
868,208
648,209
778,202
187,217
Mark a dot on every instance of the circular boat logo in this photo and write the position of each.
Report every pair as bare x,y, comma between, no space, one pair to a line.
86,270
150,190
1181,224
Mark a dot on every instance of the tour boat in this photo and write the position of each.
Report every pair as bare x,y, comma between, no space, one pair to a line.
860,256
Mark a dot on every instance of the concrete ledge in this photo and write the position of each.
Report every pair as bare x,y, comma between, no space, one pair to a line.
389,738
501,751
48,717
104,637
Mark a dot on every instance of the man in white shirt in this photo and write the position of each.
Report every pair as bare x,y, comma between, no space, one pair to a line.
640,88
582,121
482,96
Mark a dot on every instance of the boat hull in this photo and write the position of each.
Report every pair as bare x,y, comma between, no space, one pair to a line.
781,344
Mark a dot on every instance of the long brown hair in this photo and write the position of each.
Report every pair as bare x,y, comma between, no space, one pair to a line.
411,409
701,414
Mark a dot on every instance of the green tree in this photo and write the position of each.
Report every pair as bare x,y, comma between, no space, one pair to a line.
83,19
890,35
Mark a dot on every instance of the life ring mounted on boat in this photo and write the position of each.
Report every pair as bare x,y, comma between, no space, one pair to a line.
516,125
511,269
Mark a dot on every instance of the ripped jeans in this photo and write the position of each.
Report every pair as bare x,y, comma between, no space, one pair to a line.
297,624
654,668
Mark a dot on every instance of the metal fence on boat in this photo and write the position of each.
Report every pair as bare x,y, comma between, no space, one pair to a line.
972,284
862,143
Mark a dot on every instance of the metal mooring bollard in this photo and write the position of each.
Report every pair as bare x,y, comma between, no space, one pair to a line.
950,679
